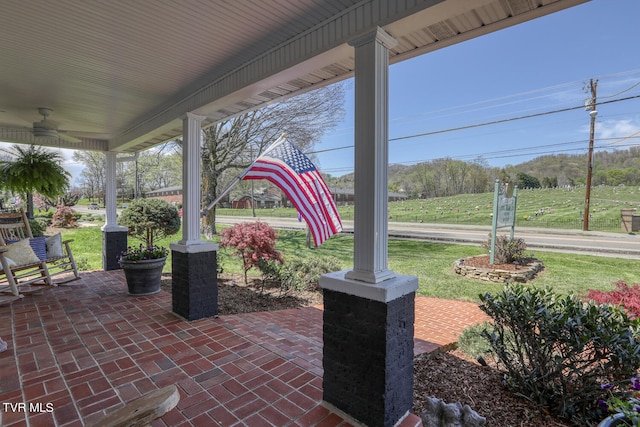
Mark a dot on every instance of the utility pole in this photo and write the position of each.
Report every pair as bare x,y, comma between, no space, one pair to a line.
593,113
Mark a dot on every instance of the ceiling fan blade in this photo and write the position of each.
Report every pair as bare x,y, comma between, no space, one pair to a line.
68,138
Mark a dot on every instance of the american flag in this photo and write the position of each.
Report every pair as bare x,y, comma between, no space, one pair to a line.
291,171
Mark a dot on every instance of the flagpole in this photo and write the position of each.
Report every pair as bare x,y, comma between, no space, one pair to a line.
277,142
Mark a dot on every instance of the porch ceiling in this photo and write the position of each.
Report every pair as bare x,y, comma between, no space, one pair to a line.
119,75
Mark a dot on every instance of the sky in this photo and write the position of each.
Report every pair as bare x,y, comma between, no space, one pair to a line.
533,68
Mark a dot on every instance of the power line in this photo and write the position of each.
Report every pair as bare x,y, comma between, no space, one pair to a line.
622,91
508,119
476,125
524,100
515,152
498,155
512,119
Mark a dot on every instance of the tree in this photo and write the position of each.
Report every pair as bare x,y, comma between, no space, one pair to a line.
527,181
426,180
153,169
549,182
94,173
478,178
33,169
231,145
70,198
150,220
158,169
253,242
456,172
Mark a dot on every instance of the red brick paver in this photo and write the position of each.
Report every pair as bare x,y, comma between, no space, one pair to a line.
77,352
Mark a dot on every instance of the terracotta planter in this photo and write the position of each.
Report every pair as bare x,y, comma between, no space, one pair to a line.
143,277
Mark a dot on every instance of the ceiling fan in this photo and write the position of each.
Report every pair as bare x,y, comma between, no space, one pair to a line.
49,128
45,128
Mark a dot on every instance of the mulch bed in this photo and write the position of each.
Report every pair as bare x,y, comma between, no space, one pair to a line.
484,261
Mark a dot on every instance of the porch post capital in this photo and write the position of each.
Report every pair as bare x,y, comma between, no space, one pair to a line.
378,35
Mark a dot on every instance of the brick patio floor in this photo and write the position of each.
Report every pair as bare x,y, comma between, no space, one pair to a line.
83,350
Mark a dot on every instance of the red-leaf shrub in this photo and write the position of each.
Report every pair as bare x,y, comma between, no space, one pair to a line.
253,242
64,217
625,295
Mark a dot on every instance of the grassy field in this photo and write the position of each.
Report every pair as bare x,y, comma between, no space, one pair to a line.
562,208
432,263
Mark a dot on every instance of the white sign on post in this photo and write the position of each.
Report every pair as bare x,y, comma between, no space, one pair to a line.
506,211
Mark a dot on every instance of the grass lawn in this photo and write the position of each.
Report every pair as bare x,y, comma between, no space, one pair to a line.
562,208
432,263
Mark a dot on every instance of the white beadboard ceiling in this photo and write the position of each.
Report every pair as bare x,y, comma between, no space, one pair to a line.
119,74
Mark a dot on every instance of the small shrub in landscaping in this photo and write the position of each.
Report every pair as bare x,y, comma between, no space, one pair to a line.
625,295
45,214
253,242
280,274
311,269
64,217
472,342
38,227
507,250
557,350
297,274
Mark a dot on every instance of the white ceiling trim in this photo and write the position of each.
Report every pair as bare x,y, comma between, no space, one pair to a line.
245,80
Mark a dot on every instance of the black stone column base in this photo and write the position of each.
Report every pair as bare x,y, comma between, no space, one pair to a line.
194,284
368,352
114,242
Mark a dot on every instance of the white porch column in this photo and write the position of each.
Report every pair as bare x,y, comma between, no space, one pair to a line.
111,193
369,311
191,241
371,156
194,286
114,236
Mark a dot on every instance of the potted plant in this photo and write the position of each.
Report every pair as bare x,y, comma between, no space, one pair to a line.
148,220
624,405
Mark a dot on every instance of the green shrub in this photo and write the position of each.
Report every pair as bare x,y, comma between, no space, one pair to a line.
38,227
472,342
310,270
557,350
507,250
45,214
279,274
297,274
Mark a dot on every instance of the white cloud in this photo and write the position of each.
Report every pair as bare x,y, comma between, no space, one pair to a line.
618,132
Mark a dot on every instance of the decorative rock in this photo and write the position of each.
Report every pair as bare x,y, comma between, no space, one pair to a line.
441,414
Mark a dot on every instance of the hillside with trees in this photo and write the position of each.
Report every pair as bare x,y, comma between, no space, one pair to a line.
609,168
447,177
159,168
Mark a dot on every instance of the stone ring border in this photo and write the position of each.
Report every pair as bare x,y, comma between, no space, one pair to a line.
522,275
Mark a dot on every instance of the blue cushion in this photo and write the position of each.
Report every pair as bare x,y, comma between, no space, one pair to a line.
39,246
